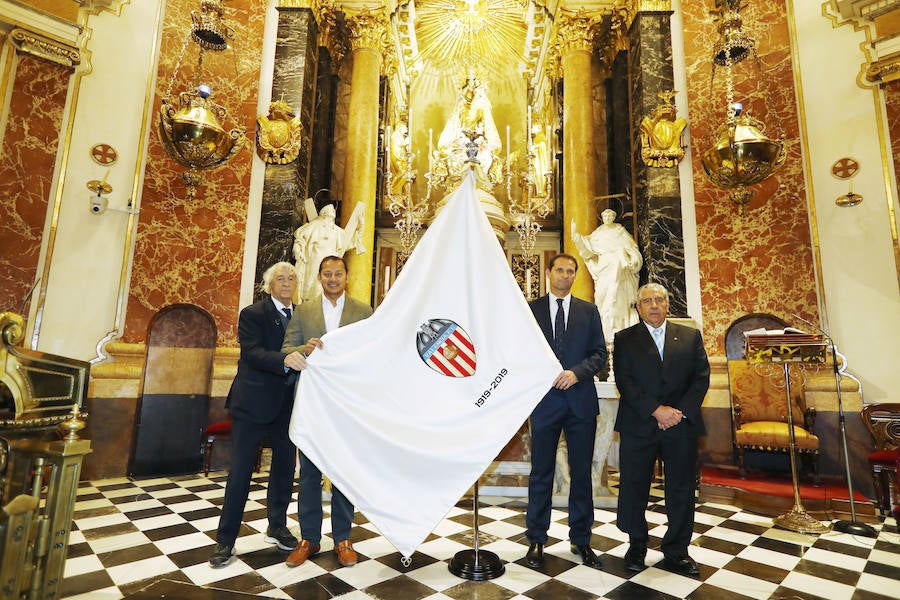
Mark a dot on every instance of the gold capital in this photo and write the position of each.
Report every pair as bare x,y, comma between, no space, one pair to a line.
576,31
369,29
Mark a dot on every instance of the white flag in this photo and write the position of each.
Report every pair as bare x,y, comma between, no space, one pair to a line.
405,410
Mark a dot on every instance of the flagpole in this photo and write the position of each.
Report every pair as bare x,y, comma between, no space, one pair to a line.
476,565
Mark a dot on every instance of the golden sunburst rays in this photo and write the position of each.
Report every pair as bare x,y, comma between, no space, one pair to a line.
455,35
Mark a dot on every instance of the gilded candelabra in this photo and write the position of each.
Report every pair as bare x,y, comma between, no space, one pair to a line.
409,212
529,207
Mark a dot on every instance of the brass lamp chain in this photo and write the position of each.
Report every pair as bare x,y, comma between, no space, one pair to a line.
177,67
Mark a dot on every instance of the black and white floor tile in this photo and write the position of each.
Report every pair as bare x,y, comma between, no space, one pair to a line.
152,539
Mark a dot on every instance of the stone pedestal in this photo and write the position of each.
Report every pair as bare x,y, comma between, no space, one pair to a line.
606,452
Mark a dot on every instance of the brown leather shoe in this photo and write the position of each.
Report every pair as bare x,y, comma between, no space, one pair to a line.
345,553
299,554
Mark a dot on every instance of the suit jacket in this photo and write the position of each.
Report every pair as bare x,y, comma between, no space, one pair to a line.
309,321
259,391
584,353
645,381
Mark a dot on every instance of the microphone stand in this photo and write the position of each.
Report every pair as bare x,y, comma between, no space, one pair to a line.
853,526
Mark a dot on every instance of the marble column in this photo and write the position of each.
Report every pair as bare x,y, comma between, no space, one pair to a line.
656,191
368,39
285,186
575,38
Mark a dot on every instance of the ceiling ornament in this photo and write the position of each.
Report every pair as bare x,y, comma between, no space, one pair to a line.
455,35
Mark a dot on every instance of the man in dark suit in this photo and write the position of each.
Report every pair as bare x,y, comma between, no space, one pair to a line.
662,373
261,399
314,318
573,329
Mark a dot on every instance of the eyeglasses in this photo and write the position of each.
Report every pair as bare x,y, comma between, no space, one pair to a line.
653,300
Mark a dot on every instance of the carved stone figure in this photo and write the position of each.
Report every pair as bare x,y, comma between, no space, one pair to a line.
613,259
322,237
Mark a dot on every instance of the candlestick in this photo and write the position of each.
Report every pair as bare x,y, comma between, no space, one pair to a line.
507,144
528,131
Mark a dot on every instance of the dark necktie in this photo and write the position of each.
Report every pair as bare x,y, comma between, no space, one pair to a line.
559,327
287,315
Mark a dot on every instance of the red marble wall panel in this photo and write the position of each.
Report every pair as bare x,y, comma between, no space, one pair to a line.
27,159
761,261
192,250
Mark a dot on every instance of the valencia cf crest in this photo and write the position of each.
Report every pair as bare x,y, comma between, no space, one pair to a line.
446,348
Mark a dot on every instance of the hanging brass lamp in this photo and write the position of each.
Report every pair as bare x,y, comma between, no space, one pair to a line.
742,154
190,124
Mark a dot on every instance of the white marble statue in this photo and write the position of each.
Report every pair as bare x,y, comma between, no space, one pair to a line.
321,237
614,261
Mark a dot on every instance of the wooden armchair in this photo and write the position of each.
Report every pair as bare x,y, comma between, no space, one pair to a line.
883,422
759,415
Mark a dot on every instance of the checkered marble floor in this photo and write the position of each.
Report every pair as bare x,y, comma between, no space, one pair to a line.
128,535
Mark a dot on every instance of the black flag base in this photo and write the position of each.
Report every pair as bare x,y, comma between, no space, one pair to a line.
476,565
855,528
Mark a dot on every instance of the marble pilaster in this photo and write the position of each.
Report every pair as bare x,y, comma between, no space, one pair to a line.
368,39
575,33
32,124
285,186
656,193
619,141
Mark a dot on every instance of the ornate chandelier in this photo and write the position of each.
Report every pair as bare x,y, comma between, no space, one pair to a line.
190,124
742,154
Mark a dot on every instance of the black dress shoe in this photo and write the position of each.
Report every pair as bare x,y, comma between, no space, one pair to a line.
534,558
221,556
588,558
683,565
634,558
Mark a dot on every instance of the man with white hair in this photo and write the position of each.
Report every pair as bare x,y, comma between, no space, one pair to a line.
261,399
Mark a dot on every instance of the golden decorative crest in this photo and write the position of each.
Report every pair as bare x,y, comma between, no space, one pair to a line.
661,134
279,135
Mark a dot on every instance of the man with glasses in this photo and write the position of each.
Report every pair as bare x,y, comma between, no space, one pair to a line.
662,374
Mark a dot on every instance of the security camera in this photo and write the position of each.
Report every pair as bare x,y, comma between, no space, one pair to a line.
99,204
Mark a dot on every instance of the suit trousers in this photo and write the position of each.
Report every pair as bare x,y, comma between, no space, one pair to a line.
309,506
580,434
637,454
246,437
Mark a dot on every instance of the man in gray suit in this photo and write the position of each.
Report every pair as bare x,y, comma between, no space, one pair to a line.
311,321
662,373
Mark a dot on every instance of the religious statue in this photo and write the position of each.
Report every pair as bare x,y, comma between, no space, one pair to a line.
541,152
613,259
471,126
399,151
321,237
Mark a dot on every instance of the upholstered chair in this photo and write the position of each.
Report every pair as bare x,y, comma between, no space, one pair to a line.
883,422
759,413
